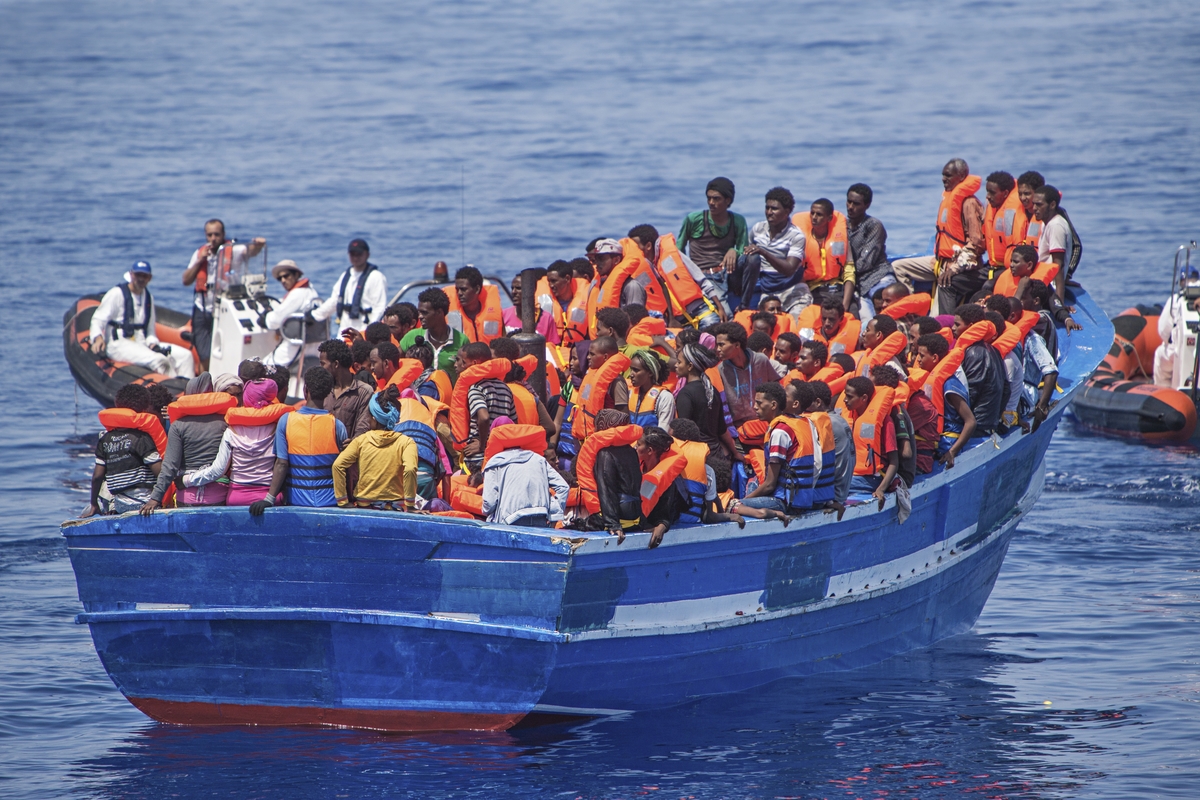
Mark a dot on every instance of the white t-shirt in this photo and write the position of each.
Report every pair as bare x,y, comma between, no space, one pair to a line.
1056,238
789,242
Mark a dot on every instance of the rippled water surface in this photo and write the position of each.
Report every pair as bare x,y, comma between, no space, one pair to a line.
511,134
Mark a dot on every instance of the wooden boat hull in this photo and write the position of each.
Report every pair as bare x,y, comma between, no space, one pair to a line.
404,622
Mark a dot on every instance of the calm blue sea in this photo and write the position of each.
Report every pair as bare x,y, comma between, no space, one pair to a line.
508,135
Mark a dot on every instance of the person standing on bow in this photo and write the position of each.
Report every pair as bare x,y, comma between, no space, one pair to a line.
301,298
209,265
123,325
360,296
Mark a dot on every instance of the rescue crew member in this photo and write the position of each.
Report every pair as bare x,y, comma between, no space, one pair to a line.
959,245
123,325
868,244
474,308
715,238
300,299
772,262
360,296
205,270
694,298
828,259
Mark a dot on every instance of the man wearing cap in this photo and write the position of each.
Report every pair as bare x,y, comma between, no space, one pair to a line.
360,296
606,255
123,326
207,266
300,299
715,238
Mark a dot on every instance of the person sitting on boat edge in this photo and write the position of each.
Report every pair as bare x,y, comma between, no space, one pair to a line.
192,443
123,326
127,460
773,261
433,305
1039,374
307,442
868,244
951,397
715,238
843,444
360,296
652,448
879,472
247,446
386,461
517,486
300,298
695,299
1059,243
886,375
618,480
767,499
828,258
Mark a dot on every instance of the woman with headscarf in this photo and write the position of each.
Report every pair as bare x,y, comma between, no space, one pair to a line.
192,444
230,384
649,402
699,400
247,449
386,461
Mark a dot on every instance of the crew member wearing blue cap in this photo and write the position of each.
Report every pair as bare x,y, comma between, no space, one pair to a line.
123,326
360,296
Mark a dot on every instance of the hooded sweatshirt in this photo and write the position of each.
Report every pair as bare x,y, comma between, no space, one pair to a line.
387,468
517,483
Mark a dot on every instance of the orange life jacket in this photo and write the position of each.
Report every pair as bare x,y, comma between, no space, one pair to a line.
982,331
809,317
460,415
418,421
827,373
633,266
585,464
694,480
847,335
1003,229
868,432
935,380
642,334
824,263
488,323
593,391
950,230
113,418
194,405
243,415
752,433
824,490
571,322
1006,282
406,372
526,405
442,381
224,263
892,346
1015,333
784,323
526,437
681,286
915,304
1033,232
661,478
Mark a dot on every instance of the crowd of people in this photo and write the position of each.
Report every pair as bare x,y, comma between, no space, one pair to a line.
726,372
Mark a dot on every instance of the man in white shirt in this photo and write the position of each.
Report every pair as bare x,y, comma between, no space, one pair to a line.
1058,242
773,262
360,296
300,299
123,326
206,269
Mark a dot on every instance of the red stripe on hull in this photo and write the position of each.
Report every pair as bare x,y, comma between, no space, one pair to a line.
398,721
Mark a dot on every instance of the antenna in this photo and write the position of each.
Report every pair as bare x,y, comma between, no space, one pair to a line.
462,184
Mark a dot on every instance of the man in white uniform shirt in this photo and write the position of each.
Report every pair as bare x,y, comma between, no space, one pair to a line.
123,326
360,296
299,300
205,270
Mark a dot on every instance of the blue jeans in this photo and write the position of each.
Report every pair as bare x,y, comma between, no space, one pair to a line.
773,503
865,483
531,521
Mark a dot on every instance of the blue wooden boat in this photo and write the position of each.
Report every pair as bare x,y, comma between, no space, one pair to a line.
402,622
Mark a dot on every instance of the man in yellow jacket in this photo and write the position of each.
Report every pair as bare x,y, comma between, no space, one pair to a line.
386,461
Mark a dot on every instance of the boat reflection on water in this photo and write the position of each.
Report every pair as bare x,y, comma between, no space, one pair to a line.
939,722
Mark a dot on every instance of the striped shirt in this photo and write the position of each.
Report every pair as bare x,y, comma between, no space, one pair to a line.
126,455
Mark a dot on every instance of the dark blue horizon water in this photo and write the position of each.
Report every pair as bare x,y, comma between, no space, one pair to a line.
508,136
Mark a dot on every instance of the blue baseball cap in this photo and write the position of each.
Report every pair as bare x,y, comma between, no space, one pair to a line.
141,266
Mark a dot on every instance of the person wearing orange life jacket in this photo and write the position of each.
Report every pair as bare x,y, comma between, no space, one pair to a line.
982,364
801,398
661,469
771,498
906,442
649,403
616,474
127,459
359,297
1004,221
602,386
947,389
204,270
958,246
839,330
300,298
900,304
1028,183
517,480
694,299
1014,282
877,462
1032,372
843,443
828,259
877,338
475,308
543,309
563,297
487,399
530,409
787,351
622,278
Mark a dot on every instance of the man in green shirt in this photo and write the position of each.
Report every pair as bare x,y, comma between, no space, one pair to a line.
716,236
432,306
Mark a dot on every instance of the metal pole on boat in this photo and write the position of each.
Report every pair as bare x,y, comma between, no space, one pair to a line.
530,340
